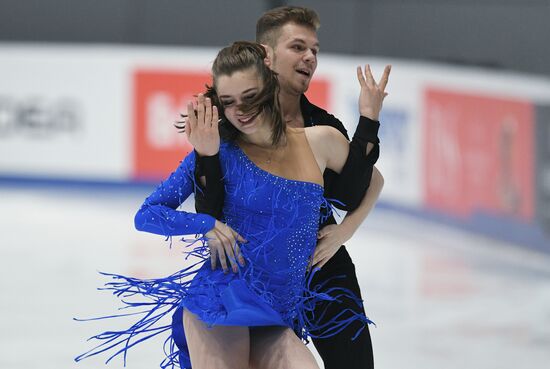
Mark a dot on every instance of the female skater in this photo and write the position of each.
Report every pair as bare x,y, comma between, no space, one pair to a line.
255,316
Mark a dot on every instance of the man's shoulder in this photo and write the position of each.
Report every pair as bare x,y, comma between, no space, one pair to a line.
314,115
315,112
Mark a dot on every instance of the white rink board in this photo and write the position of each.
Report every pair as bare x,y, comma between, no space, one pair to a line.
94,83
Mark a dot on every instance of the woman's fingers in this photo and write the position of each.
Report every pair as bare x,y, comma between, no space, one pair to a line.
215,117
213,257
224,243
239,256
232,249
224,246
226,252
231,256
237,236
208,112
221,251
200,109
223,261
191,119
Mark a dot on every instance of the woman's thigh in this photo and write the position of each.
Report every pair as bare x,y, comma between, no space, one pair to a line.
221,347
278,348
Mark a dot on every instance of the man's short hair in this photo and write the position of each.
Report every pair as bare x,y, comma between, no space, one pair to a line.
270,23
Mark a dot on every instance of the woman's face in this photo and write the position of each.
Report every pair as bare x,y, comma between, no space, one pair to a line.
240,87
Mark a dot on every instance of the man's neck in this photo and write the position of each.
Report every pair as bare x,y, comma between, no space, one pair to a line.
290,106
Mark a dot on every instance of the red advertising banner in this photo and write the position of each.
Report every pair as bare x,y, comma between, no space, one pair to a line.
159,97
318,93
478,154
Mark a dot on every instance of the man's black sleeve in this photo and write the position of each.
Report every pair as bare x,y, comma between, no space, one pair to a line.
350,185
209,199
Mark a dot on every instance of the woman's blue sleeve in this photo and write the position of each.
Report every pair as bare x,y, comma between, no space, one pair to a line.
159,213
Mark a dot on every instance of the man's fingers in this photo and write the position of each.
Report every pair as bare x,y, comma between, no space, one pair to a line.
318,255
322,233
360,77
369,77
319,259
385,77
322,263
310,264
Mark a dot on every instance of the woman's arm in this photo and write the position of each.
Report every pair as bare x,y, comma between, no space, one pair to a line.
159,215
158,212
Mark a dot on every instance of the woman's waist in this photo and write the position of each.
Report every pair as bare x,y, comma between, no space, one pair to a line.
273,205
276,221
273,241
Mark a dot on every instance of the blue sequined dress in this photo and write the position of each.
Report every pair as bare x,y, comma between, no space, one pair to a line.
278,217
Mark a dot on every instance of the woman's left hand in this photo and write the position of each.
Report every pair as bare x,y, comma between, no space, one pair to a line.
201,127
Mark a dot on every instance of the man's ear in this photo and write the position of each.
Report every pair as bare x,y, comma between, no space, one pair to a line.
269,58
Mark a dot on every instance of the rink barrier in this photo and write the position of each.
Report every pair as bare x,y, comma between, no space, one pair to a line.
466,146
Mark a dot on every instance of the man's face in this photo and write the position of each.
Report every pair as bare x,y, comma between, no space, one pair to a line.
295,57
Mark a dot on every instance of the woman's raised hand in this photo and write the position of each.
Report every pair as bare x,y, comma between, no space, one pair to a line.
372,94
223,243
201,127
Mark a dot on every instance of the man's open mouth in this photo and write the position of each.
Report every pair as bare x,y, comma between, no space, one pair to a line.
305,72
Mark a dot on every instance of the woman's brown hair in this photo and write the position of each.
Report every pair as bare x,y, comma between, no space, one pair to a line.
241,56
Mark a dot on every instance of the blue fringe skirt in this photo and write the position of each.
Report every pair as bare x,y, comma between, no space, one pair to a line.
252,297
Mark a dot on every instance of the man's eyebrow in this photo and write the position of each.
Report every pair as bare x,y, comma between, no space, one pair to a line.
302,41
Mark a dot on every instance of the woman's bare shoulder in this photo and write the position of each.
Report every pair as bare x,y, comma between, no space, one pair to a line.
329,145
323,133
